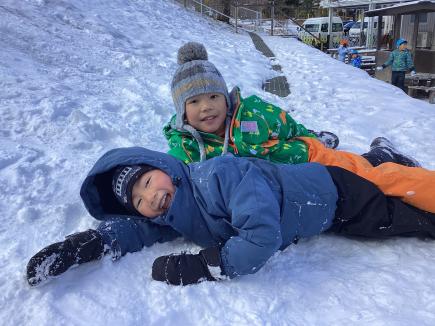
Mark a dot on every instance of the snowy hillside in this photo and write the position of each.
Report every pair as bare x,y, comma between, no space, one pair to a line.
80,77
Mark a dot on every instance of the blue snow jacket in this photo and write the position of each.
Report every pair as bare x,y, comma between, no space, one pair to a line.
400,61
249,207
342,52
356,62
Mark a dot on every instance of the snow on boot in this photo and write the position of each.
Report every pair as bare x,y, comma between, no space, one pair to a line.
327,138
58,257
382,146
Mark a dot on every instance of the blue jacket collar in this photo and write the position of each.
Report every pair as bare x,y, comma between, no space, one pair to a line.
98,182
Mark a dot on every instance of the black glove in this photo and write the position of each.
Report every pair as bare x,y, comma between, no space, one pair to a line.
55,259
187,269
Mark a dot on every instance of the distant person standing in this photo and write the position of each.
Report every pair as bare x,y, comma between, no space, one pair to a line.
343,50
400,61
355,58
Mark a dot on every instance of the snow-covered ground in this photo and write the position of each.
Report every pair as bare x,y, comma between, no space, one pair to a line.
78,78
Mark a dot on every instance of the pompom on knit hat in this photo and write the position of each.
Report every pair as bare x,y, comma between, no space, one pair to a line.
123,181
195,75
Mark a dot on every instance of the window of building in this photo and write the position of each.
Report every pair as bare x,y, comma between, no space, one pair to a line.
422,18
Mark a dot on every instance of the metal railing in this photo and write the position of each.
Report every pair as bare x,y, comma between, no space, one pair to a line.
199,6
240,17
244,13
251,21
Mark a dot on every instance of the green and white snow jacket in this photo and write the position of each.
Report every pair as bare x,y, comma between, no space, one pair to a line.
400,60
258,129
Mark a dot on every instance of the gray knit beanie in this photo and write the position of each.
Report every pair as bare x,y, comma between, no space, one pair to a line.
195,75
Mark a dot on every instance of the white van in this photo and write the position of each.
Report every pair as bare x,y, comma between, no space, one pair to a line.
318,26
356,28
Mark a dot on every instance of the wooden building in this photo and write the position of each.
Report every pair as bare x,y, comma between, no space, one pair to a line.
415,22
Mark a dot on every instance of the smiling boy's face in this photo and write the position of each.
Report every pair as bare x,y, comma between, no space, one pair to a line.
152,193
207,113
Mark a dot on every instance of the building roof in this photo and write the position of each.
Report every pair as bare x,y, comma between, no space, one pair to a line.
407,8
354,3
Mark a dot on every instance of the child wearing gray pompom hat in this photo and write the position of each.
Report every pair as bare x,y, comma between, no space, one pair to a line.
210,122
196,76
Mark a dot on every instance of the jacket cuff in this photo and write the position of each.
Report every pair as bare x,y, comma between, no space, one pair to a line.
212,257
227,268
111,245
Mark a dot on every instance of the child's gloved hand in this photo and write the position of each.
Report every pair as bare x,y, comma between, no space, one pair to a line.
413,73
379,68
187,269
55,259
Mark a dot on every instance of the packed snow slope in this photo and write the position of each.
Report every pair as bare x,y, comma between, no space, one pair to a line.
78,78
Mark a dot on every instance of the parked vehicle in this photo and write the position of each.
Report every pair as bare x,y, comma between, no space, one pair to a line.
356,28
318,26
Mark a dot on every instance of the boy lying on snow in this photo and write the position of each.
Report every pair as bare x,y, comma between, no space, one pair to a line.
241,210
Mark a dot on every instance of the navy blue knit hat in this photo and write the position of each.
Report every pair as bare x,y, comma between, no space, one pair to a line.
123,181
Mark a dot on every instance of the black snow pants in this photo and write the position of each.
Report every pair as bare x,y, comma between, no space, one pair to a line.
363,210
398,79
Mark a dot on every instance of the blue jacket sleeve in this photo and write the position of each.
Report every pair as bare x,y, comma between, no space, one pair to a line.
409,61
123,235
255,214
390,60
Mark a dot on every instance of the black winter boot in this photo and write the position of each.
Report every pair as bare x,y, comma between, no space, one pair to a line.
58,257
327,138
383,151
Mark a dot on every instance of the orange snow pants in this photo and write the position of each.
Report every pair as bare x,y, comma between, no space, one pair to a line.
415,186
